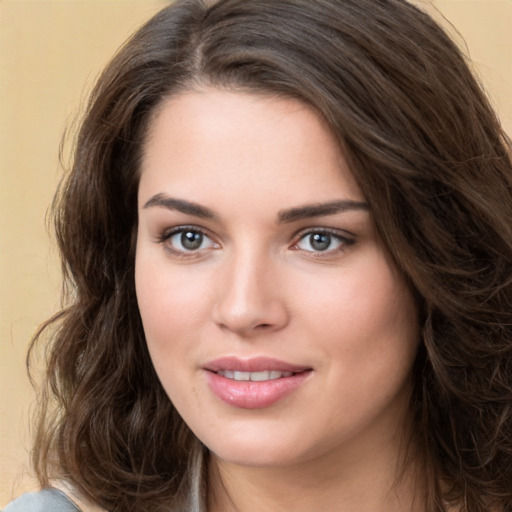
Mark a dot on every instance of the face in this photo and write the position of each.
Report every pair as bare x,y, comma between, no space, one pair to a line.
274,318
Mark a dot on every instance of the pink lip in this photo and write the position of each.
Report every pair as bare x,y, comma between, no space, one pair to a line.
249,394
255,364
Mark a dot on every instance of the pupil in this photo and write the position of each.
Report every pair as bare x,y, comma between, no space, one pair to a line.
320,241
191,240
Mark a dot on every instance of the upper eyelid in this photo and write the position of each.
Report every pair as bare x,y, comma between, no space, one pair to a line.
302,231
167,233
342,233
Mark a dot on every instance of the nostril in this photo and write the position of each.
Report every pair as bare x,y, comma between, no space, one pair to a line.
263,326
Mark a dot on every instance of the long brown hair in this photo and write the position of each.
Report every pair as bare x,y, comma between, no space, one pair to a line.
428,153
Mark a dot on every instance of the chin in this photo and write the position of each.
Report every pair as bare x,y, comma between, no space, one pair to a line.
252,454
266,446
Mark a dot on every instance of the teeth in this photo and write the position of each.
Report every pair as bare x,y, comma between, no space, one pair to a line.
254,376
260,376
278,375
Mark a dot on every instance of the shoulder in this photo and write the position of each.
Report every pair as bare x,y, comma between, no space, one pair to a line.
46,500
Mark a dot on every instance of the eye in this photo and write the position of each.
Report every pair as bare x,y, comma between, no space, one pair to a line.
322,242
185,240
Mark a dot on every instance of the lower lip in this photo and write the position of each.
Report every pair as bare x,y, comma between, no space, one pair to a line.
253,394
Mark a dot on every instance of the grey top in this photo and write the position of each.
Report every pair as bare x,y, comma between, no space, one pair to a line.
47,500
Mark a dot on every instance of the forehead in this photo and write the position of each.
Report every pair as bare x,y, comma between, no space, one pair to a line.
221,143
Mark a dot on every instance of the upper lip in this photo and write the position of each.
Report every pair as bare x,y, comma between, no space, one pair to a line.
255,364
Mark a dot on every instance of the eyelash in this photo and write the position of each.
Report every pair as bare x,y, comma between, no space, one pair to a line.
165,237
344,241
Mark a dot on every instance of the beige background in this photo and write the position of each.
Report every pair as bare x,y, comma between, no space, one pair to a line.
50,54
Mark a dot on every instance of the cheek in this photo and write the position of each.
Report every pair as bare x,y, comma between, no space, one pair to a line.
367,321
373,340
169,299
372,300
172,308
168,307
388,338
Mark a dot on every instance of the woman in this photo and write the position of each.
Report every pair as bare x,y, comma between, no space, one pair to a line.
288,247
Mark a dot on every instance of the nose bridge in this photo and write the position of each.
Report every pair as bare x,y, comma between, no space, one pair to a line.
249,298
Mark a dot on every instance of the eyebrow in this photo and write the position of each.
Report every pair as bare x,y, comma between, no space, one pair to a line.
180,205
283,217
319,209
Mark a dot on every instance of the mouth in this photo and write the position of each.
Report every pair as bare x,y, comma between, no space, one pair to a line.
254,376
254,383
256,369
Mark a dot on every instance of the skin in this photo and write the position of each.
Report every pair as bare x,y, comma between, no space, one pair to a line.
258,286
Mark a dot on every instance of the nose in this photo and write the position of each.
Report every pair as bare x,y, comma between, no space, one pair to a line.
249,300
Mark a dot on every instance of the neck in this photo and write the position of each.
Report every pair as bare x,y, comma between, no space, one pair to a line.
366,479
